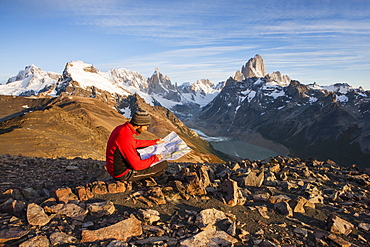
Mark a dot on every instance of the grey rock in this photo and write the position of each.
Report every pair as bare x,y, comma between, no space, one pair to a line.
279,198
58,238
30,193
270,179
14,193
253,180
233,195
100,209
149,215
117,243
87,224
70,210
283,208
365,226
72,168
209,237
267,243
207,218
338,225
301,231
261,197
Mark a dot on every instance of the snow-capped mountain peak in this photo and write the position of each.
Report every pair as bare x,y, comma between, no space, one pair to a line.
83,79
252,81
341,88
29,81
203,86
128,78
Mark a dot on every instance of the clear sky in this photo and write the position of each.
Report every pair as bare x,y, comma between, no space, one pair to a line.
323,41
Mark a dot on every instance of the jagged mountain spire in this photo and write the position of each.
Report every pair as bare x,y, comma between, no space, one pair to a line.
255,67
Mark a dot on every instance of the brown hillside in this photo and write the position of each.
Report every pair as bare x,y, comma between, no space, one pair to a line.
79,127
76,127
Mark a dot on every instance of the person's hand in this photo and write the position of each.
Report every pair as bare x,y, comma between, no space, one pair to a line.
159,156
159,141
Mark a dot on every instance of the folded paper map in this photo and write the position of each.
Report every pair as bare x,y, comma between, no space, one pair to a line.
173,148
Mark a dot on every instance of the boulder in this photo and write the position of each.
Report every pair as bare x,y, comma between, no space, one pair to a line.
209,237
99,187
100,209
122,230
338,225
36,215
283,208
207,218
149,215
233,195
116,186
254,180
84,193
58,238
70,210
65,195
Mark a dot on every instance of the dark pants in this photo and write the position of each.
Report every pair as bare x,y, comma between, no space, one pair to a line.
153,171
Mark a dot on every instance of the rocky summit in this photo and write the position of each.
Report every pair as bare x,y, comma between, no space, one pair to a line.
275,202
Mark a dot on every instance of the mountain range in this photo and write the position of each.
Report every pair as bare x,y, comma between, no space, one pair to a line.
328,122
312,121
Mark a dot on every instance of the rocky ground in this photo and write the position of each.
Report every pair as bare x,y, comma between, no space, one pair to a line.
275,202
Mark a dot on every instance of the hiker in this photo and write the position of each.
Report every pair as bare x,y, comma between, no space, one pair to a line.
123,162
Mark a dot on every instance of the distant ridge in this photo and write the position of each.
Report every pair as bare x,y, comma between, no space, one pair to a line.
329,122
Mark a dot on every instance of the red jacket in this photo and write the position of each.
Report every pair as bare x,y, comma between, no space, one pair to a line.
121,154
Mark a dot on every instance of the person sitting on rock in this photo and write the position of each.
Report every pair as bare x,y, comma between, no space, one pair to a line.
123,162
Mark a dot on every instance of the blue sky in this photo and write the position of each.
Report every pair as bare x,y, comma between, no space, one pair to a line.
325,41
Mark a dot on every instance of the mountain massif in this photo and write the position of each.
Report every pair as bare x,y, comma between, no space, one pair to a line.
327,122
312,121
72,114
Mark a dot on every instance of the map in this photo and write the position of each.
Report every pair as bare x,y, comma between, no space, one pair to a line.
173,148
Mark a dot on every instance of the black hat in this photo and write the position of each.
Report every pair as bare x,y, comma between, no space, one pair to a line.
140,118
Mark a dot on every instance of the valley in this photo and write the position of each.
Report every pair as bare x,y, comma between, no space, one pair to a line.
262,149
244,150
